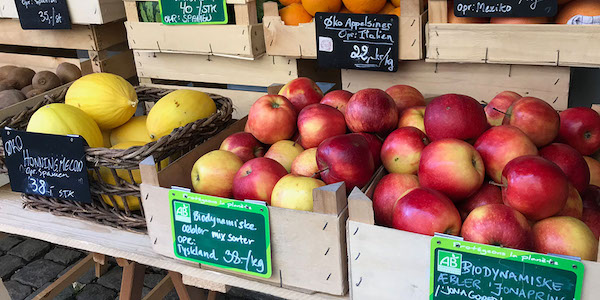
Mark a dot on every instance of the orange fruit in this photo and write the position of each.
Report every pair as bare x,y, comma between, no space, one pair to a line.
578,7
561,2
288,2
294,14
529,20
365,6
315,6
344,10
396,3
395,11
387,9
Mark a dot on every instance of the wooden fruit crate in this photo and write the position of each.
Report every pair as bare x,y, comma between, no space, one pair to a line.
308,248
300,41
243,39
480,81
543,44
384,263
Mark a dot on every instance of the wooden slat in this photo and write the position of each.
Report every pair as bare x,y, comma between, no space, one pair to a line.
330,199
122,64
132,282
481,81
207,285
67,279
35,62
78,37
109,35
81,12
101,266
245,14
555,45
186,292
3,291
438,11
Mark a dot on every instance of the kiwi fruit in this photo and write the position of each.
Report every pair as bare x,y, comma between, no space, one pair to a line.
22,76
5,70
45,80
7,84
33,92
10,97
26,89
68,72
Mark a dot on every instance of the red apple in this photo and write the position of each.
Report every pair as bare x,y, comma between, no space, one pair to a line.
498,225
574,206
345,158
337,99
452,167
591,218
571,162
387,192
318,122
594,167
535,186
271,119
302,92
256,179
591,198
413,116
487,194
455,116
401,151
375,145
305,164
426,211
536,118
565,236
580,128
496,109
405,96
501,144
244,145
371,110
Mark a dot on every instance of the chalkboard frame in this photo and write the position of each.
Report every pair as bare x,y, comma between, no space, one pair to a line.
225,21
176,195
459,246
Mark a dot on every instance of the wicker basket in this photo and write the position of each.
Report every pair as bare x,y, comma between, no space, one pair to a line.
180,141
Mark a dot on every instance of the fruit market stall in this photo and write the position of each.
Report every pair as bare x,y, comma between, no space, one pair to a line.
531,41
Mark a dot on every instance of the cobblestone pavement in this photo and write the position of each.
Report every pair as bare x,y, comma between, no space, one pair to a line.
28,266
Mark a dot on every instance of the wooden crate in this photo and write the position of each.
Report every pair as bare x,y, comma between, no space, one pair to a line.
545,44
243,39
479,81
308,248
46,49
300,41
384,263
81,12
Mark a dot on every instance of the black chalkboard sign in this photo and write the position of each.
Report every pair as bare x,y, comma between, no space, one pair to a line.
505,8
47,165
357,41
43,14
464,270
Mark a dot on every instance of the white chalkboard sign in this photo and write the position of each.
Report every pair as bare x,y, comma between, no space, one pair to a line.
47,165
357,41
505,8
43,14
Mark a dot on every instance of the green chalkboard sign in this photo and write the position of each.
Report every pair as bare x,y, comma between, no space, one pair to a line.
220,232
188,12
464,270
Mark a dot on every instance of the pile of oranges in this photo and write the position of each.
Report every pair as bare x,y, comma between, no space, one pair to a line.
303,11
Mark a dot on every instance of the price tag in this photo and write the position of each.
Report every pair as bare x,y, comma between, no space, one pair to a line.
464,270
48,14
505,8
220,232
357,41
188,12
47,165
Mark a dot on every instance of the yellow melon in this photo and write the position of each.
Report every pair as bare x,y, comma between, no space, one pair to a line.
106,138
109,99
133,130
62,119
177,109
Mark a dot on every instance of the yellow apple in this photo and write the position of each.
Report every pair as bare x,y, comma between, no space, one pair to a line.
305,164
213,173
295,192
284,152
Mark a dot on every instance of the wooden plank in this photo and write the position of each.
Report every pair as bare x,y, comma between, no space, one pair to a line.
78,37
132,281
109,35
360,207
122,64
438,11
186,292
161,289
3,291
35,62
412,8
555,45
228,40
245,14
100,264
330,199
81,12
211,69
67,279
481,81
204,284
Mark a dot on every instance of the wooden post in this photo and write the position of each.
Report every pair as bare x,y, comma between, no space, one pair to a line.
186,292
330,199
132,281
360,207
161,289
100,264
67,279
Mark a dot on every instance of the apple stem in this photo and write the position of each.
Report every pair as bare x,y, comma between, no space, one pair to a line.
319,172
297,140
483,102
504,113
497,184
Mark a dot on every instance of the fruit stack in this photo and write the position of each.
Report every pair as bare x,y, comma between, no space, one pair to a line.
303,11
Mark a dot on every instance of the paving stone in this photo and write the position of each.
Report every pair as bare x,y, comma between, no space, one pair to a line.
172,295
8,243
30,249
237,293
112,279
88,277
8,265
96,292
151,280
38,273
63,256
16,290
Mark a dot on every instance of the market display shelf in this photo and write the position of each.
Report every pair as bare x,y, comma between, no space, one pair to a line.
244,39
480,81
301,42
530,44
